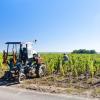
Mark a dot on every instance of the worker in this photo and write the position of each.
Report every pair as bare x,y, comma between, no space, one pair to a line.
24,56
11,64
65,58
64,61
38,62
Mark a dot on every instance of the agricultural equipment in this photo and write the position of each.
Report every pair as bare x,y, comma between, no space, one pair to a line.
23,61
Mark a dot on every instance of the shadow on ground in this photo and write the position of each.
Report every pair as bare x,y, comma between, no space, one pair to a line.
7,83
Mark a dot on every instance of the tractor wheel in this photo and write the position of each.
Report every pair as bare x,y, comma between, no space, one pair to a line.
42,70
7,76
21,77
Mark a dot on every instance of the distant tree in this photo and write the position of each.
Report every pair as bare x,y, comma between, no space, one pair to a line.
84,51
92,51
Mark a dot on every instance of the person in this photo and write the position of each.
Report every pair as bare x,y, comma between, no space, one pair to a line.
38,62
11,64
24,56
61,62
65,58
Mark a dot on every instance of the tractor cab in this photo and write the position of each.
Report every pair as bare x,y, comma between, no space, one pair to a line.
18,51
11,52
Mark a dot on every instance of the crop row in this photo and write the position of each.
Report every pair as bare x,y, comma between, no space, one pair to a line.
78,64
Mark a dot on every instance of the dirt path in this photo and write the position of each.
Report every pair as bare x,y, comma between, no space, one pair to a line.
12,93
55,86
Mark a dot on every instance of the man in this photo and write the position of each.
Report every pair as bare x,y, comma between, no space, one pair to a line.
38,62
11,64
65,58
64,61
24,56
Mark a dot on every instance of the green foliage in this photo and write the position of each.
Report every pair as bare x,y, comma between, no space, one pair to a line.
84,51
1,60
78,64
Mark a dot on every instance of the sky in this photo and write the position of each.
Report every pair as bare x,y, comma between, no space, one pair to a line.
58,25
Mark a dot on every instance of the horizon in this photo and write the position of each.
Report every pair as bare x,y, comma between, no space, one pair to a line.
57,25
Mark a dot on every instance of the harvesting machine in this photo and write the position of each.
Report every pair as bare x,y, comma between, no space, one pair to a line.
23,61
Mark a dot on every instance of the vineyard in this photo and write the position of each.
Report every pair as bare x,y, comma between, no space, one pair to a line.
78,64
82,71
0,58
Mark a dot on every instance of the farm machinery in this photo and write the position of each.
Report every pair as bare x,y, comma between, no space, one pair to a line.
23,62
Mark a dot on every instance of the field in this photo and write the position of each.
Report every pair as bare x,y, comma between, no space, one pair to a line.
0,58
78,65
1,72
80,74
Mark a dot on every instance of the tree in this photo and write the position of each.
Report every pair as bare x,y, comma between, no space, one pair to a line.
84,51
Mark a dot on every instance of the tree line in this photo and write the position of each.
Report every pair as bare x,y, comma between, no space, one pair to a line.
84,51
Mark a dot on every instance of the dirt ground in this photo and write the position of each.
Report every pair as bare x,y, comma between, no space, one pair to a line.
58,84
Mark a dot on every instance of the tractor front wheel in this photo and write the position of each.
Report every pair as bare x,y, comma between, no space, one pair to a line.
42,70
21,77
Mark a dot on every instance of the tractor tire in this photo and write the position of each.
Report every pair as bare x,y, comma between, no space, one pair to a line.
21,77
42,70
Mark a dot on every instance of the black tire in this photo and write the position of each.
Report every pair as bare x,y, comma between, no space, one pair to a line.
21,77
42,70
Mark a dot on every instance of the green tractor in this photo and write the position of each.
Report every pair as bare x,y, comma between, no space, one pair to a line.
23,61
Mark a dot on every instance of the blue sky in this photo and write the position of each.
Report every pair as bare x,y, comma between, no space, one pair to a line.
58,25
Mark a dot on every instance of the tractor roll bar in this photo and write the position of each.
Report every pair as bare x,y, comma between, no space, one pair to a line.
13,43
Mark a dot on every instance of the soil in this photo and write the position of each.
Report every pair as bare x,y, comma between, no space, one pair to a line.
57,84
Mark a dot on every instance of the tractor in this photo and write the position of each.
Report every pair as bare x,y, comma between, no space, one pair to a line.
23,62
